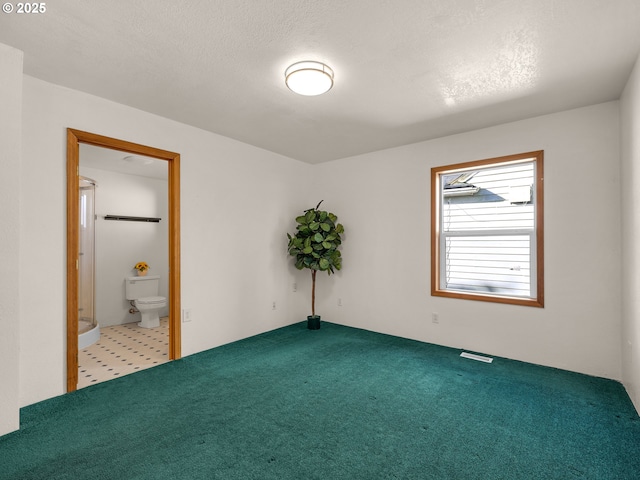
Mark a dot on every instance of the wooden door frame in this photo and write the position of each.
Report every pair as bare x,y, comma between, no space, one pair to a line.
74,139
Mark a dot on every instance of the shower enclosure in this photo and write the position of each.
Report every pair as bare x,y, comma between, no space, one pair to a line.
88,329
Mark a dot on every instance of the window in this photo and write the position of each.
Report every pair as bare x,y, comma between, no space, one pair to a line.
487,230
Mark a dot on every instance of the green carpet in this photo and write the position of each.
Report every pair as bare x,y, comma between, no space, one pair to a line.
336,403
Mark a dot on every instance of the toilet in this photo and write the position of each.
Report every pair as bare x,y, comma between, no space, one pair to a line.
144,293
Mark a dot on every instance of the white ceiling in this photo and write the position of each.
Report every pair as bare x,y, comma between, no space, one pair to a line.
122,162
405,70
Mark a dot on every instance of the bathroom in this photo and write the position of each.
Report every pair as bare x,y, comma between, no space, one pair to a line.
126,186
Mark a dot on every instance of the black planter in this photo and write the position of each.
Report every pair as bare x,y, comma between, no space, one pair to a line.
313,322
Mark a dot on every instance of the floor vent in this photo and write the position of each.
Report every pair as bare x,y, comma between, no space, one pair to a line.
479,358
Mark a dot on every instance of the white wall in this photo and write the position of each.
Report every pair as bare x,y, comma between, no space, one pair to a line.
122,244
630,141
10,145
383,199
236,203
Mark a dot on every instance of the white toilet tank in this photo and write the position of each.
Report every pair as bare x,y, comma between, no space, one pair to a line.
140,287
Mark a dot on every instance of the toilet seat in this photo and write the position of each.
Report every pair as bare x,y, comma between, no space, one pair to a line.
150,300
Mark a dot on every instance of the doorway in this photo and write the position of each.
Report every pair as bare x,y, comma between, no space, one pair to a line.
74,139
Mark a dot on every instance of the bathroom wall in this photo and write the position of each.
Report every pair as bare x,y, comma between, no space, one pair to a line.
121,244
10,220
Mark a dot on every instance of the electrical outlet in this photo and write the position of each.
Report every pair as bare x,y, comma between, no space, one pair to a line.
294,287
435,318
339,302
273,305
186,315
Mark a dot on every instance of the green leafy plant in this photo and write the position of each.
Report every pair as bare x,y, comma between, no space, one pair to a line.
315,245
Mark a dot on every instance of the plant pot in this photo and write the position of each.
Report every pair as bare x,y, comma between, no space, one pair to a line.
142,273
313,322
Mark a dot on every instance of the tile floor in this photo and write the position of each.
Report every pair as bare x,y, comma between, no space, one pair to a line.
123,349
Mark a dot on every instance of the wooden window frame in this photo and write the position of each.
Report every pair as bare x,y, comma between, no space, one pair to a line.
436,172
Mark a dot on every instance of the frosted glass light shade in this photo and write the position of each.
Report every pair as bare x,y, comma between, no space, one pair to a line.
309,78
138,160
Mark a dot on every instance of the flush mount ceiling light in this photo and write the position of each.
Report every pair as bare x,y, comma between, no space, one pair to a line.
138,160
309,78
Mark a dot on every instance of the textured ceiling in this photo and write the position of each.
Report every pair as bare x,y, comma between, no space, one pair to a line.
405,70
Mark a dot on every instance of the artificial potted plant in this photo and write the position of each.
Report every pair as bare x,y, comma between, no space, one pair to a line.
315,246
